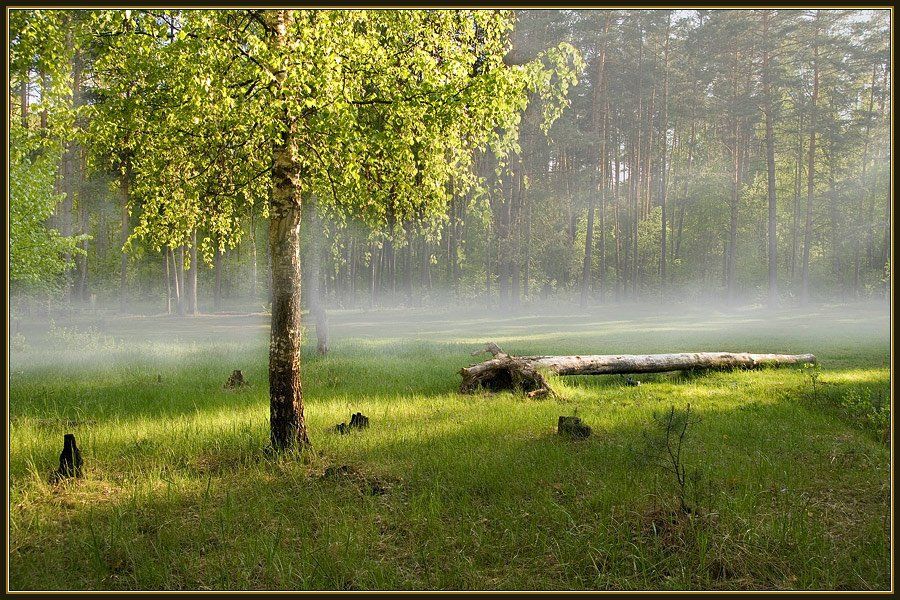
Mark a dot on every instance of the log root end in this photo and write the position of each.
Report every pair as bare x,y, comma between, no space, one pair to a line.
506,373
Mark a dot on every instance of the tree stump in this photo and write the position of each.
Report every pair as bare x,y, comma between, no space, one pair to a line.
70,461
572,427
235,380
357,421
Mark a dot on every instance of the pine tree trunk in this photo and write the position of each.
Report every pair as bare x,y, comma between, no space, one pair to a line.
795,216
601,243
734,203
526,270
664,131
770,167
70,178
860,208
811,171
588,247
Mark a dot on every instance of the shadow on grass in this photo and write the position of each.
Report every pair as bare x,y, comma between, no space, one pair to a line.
491,499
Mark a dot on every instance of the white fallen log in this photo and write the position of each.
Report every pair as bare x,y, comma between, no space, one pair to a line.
524,372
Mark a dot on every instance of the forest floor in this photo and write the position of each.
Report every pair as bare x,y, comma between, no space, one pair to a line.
788,475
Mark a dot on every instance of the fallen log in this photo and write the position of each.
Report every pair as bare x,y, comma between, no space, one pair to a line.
505,372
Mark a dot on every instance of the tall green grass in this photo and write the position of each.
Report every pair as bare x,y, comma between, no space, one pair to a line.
445,490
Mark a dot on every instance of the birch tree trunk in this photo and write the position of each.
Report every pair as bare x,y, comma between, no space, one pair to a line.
286,420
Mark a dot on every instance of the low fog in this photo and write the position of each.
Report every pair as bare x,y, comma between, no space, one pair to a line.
694,166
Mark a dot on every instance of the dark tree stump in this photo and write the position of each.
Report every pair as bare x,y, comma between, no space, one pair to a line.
357,421
572,427
70,461
236,380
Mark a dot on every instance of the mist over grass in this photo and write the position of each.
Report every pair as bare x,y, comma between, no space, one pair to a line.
446,490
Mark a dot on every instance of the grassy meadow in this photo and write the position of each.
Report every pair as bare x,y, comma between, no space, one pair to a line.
788,472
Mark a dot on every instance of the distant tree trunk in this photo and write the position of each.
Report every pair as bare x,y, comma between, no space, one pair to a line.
770,166
635,167
588,247
835,218
351,269
191,277
165,255
182,288
313,269
389,282
426,265
408,266
254,272
487,260
734,203
124,185
684,197
514,237
373,271
617,227
664,131
860,208
795,220
599,102
72,177
23,101
452,245
811,169
604,183
526,274
45,88
217,286
503,250
172,271
873,257
886,227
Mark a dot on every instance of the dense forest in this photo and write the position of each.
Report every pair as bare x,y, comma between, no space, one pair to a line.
675,155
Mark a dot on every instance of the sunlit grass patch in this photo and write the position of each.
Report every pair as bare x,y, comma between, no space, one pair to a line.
445,490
